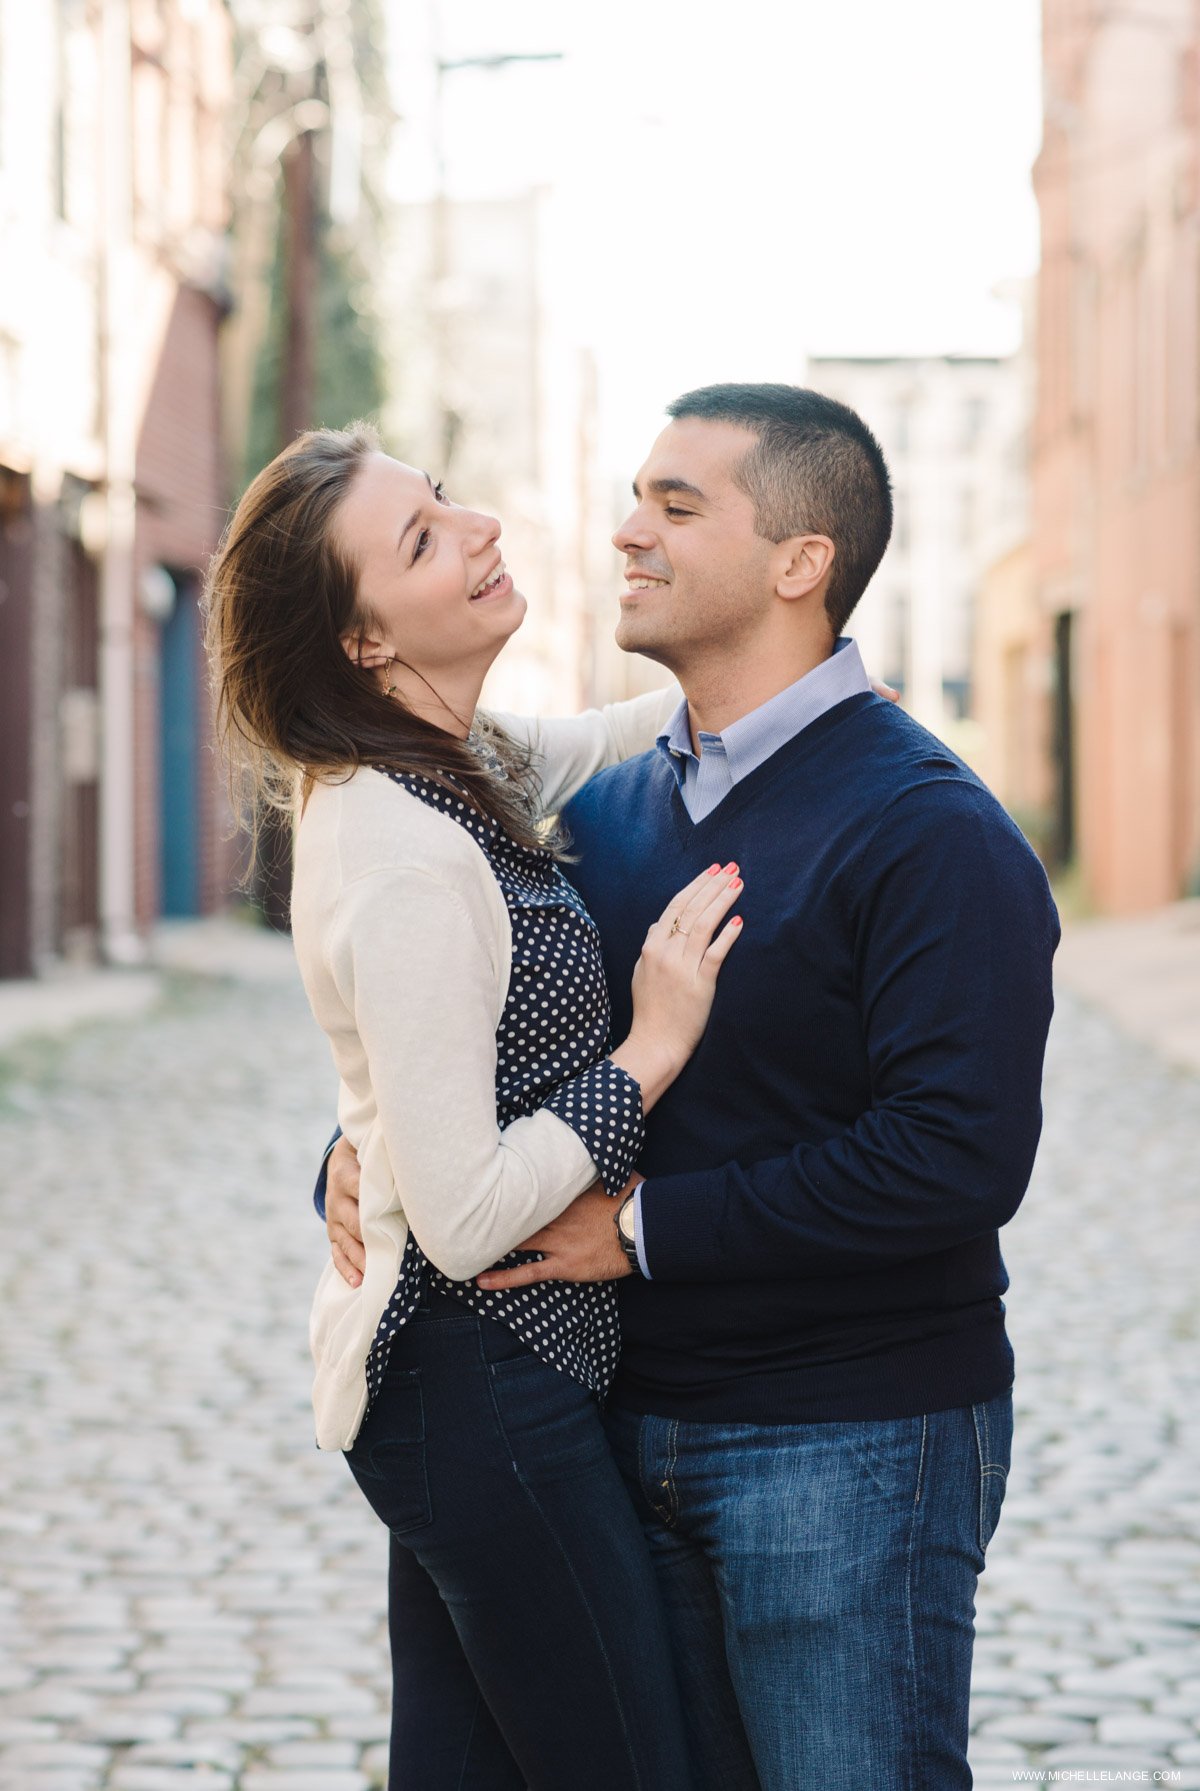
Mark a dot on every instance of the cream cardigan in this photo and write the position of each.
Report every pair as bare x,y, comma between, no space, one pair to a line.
405,948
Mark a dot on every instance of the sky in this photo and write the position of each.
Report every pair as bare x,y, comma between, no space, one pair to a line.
741,184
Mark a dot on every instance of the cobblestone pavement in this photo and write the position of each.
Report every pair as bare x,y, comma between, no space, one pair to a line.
191,1596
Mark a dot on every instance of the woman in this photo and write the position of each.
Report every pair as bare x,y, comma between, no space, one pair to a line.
353,614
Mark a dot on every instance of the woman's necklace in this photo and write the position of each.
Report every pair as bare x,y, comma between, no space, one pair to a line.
487,756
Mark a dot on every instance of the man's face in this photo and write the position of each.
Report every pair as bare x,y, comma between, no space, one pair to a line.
698,577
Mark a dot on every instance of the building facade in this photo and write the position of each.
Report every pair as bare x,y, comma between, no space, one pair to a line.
1115,542
492,395
952,428
113,207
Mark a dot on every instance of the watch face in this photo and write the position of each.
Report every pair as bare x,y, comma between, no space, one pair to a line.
625,1223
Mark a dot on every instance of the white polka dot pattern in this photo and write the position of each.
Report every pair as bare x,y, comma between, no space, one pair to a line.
550,1046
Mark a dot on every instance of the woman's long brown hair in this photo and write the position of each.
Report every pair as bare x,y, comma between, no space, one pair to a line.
292,707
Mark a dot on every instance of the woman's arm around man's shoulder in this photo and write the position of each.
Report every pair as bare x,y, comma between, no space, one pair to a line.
568,750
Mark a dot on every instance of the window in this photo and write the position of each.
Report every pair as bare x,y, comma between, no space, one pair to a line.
974,415
73,164
900,522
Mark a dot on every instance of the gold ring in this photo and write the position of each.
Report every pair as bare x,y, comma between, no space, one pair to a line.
676,928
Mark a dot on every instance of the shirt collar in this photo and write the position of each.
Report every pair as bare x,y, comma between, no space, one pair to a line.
752,739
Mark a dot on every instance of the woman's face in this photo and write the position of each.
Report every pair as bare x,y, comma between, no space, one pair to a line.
430,572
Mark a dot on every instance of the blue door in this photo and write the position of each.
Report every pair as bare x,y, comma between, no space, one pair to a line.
179,761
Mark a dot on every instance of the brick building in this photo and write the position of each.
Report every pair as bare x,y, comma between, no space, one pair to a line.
113,207
1108,654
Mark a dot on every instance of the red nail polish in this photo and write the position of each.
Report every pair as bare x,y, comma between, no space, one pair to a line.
736,921
735,883
731,866
712,870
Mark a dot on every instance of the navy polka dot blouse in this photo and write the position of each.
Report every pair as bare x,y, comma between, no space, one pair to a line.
550,1042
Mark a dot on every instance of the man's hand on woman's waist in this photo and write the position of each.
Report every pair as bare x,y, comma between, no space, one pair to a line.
580,1245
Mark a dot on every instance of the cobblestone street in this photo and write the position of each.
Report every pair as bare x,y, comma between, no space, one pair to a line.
192,1597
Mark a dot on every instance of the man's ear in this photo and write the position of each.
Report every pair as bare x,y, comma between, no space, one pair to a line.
807,561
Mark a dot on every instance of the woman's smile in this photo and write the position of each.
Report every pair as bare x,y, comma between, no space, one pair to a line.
498,583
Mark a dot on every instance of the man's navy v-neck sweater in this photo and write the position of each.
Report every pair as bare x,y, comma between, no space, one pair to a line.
826,1177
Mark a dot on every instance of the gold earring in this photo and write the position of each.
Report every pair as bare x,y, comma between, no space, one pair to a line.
389,688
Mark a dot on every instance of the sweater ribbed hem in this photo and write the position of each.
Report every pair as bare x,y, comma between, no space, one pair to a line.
934,1374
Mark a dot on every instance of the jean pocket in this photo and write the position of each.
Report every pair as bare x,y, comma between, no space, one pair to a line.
388,1457
549,1419
993,1421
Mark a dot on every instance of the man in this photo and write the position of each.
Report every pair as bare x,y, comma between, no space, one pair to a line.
813,1410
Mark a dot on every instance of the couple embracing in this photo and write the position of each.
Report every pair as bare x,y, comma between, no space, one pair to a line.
690,1057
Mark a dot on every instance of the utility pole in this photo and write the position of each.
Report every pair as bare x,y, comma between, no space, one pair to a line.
297,382
296,396
297,375
120,940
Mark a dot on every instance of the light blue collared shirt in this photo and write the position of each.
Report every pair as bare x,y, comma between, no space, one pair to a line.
745,744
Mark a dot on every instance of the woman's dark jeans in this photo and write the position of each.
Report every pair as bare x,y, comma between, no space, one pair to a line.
529,1646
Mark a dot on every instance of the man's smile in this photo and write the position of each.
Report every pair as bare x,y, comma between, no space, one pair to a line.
644,581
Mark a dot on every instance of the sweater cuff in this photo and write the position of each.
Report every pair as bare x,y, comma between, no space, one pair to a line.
680,1230
603,1107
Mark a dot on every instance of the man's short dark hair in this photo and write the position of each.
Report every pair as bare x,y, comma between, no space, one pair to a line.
816,470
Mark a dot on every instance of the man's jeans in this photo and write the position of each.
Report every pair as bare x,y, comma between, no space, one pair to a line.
820,1589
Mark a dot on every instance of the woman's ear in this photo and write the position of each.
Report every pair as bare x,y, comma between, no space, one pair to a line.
364,652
